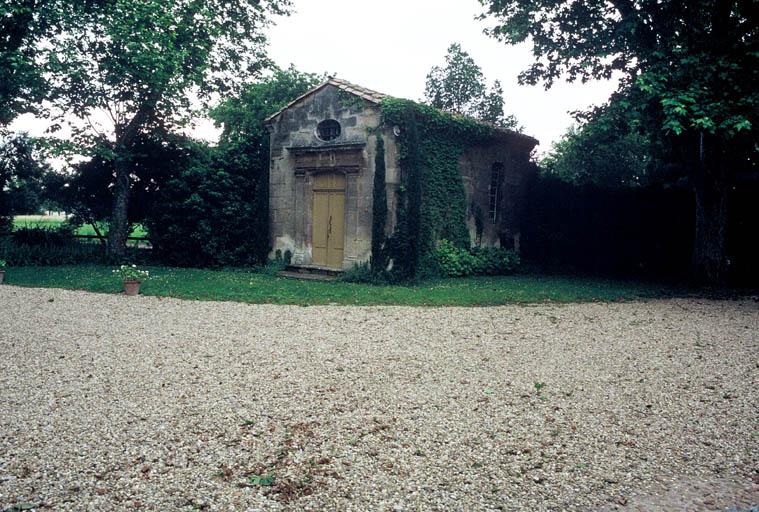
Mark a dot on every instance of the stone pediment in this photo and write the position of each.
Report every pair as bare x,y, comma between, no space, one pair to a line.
345,156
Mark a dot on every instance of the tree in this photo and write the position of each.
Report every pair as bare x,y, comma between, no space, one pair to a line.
138,66
85,191
242,116
17,60
688,78
213,208
595,154
24,24
21,178
460,87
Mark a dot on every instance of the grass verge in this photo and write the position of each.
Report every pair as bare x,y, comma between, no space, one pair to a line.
257,287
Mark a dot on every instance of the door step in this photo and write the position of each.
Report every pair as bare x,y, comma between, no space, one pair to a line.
310,272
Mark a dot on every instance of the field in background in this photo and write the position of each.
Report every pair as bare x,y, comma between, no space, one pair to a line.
261,287
56,220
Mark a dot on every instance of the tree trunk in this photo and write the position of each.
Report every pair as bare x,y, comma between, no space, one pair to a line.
119,225
100,236
118,229
709,181
707,161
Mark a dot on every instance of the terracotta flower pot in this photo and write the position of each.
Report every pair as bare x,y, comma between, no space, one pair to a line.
131,288
2,276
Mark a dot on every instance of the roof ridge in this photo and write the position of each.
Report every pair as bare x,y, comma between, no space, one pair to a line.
364,92
376,97
344,85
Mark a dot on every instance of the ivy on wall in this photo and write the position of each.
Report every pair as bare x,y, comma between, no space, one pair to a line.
351,101
432,205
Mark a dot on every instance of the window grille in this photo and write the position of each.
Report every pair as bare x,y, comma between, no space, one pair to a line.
496,176
328,130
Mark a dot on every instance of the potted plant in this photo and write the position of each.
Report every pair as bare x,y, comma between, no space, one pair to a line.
132,277
3,264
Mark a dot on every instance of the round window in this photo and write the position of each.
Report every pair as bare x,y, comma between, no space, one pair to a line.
328,130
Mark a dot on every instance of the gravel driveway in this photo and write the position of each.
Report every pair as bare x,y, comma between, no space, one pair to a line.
115,403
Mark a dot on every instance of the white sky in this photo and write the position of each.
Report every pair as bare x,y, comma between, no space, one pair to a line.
390,46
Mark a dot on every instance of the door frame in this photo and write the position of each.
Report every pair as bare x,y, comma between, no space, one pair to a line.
314,178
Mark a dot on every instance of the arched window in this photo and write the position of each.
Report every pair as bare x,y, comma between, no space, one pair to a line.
496,176
328,129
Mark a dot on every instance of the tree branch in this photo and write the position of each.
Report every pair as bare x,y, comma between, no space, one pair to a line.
630,14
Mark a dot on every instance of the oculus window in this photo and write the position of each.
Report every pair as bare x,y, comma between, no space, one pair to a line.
328,130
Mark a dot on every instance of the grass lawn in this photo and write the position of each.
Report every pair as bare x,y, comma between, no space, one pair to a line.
55,221
254,287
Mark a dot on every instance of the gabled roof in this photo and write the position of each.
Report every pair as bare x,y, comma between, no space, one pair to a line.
376,98
362,92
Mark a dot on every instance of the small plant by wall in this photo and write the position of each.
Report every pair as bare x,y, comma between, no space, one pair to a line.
448,260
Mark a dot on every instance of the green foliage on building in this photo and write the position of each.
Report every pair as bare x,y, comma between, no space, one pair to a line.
432,203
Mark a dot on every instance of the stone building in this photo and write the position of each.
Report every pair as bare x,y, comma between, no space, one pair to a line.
322,172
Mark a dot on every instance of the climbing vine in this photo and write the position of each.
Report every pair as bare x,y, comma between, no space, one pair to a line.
351,101
433,203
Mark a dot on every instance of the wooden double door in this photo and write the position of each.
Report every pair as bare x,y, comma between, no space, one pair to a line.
328,220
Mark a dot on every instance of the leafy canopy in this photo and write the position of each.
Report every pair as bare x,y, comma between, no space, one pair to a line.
86,190
591,154
22,175
142,63
688,73
23,25
460,87
696,61
130,67
213,208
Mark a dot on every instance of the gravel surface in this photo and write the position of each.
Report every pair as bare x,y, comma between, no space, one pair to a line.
116,403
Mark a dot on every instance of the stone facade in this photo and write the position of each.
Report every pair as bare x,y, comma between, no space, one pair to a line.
495,179
303,158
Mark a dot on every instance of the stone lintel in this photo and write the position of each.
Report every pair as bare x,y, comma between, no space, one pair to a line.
348,159
319,148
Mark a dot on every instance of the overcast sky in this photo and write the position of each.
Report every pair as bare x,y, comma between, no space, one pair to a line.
390,46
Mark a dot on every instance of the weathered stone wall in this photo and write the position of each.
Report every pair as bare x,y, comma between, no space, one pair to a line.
476,166
297,155
392,178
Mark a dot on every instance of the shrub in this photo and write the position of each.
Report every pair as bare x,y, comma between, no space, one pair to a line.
363,273
69,253
493,261
359,273
286,259
39,246
212,213
451,261
41,236
272,267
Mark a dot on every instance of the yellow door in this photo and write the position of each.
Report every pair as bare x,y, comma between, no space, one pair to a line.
336,231
321,225
328,220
